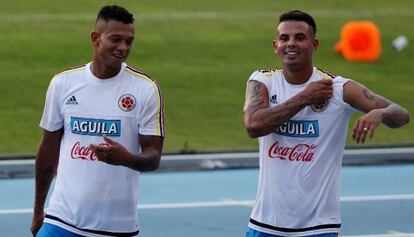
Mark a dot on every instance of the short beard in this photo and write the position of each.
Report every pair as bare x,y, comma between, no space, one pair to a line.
293,66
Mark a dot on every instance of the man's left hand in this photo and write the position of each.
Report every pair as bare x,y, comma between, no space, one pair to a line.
111,152
365,125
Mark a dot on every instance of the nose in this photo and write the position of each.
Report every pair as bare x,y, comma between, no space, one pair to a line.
123,46
291,42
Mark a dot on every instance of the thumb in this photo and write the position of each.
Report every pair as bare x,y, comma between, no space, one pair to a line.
108,140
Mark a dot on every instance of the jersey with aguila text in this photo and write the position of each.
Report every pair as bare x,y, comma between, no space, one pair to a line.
300,162
90,197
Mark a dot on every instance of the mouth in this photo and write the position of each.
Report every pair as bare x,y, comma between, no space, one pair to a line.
119,56
291,53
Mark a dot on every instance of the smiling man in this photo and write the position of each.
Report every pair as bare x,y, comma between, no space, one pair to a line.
103,122
300,115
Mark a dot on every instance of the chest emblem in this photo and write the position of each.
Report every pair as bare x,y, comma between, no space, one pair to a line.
320,107
127,102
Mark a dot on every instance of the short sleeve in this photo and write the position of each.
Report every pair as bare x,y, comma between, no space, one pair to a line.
151,119
338,85
52,118
259,76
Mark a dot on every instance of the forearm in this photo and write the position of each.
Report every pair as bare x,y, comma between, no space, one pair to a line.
261,119
47,158
394,116
145,161
266,120
45,170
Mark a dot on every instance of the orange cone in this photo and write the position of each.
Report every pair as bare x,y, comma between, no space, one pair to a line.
360,41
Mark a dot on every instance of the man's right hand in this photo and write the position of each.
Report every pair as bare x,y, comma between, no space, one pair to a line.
37,222
318,91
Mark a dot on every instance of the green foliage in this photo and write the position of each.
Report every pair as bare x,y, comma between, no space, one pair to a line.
201,53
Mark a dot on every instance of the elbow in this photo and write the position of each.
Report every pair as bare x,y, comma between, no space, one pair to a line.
252,132
255,128
255,131
405,120
398,121
155,164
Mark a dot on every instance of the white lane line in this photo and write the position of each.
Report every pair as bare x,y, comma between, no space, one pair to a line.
378,198
229,202
16,211
248,203
334,13
383,235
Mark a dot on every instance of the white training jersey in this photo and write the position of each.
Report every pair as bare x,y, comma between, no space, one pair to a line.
300,162
90,197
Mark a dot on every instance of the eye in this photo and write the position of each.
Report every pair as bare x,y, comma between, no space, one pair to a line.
283,38
300,37
114,39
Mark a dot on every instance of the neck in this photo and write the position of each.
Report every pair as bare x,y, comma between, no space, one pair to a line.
297,77
102,71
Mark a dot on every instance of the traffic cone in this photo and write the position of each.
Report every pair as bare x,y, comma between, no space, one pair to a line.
360,41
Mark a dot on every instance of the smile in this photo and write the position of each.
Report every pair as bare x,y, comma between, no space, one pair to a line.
120,56
292,53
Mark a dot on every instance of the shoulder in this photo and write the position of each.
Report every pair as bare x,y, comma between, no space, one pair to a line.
60,78
264,75
325,74
338,80
142,82
71,71
139,76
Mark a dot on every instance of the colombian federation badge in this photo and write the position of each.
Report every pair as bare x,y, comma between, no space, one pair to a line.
320,107
127,102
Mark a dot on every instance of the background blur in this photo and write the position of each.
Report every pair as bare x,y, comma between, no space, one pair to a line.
200,52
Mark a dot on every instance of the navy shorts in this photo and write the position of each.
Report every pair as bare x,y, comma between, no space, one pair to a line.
254,233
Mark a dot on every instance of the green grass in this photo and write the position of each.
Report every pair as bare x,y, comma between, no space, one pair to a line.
201,53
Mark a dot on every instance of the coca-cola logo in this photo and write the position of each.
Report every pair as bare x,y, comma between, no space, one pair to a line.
84,152
300,152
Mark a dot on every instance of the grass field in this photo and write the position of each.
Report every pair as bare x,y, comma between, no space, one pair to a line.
201,53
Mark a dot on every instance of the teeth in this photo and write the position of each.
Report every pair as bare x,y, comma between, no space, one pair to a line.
292,53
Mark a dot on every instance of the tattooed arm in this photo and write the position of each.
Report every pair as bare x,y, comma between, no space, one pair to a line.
260,119
46,163
377,108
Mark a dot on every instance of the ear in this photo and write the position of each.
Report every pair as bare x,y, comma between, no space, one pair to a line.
315,44
274,44
95,37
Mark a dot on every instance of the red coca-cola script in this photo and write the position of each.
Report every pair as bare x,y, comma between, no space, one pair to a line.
299,152
83,152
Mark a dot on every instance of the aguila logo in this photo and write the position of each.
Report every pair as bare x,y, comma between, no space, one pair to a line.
127,102
300,152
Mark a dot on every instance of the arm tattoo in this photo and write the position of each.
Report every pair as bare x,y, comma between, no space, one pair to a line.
395,116
261,120
379,101
368,94
255,100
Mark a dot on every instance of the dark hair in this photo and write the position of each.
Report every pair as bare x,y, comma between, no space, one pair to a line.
116,13
297,15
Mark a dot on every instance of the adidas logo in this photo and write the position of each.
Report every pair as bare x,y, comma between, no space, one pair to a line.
72,101
273,99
